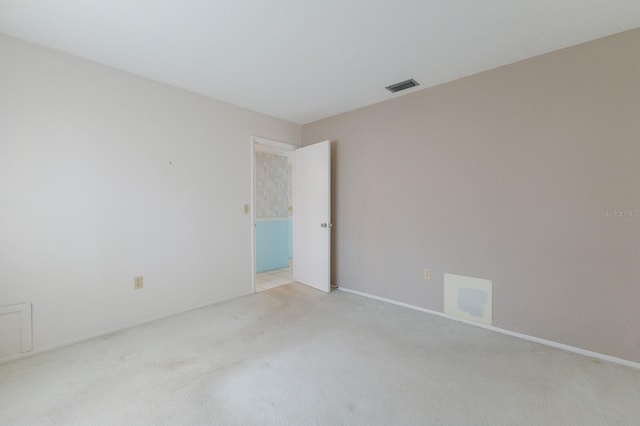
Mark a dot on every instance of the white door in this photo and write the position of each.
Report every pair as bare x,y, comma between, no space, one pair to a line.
312,216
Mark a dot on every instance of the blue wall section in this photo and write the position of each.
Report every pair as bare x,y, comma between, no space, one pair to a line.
273,244
290,236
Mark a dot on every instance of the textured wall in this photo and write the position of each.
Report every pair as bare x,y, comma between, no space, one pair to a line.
273,185
515,175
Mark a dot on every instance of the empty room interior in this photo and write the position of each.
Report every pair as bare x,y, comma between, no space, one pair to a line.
320,213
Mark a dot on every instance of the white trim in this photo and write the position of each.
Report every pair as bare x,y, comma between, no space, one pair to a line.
545,342
105,332
272,143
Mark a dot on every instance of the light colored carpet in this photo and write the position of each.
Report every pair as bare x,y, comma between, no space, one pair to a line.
294,356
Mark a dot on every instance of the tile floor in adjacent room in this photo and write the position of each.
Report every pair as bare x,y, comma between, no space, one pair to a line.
275,278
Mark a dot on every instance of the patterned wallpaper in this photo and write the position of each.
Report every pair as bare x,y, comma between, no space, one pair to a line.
273,186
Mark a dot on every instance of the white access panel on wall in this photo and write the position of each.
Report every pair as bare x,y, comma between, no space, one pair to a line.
15,329
468,298
312,216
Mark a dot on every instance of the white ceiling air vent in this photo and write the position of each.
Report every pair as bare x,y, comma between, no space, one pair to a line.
402,85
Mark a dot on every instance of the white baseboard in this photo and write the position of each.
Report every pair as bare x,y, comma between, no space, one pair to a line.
551,343
101,333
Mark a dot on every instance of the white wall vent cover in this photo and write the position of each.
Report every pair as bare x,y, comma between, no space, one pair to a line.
468,298
15,329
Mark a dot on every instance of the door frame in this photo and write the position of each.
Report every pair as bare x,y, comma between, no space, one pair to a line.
276,147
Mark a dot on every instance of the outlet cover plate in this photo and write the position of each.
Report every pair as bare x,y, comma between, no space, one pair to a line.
427,274
138,282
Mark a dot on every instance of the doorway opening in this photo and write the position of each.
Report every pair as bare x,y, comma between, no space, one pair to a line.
272,198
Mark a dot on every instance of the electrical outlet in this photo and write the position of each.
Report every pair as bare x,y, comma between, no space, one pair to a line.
138,283
427,274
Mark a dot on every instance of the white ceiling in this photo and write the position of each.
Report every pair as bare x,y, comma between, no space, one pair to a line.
302,60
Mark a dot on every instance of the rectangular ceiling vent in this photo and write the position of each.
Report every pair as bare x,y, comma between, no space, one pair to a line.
402,85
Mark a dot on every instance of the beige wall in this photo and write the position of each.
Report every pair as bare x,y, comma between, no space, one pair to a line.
104,176
505,176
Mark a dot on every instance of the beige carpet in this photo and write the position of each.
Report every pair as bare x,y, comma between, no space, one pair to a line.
294,356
